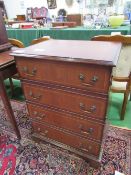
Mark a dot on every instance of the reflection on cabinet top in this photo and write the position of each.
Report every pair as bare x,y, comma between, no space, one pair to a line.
93,52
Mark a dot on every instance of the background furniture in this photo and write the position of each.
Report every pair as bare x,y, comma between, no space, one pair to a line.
20,18
62,12
39,13
4,44
16,43
38,40
24,35
68,24
121,80
76,33
36,13
78,18
3,9
66,91
7,70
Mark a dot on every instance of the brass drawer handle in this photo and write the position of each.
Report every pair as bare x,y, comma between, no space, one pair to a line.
42,133
26,71
39,116
32,96
90,110
84,149
88,131
93,80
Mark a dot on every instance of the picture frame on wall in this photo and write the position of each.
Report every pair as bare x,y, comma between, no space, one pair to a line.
95,3
110,3
51,4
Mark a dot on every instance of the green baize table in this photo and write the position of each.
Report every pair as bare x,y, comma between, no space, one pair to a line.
76,33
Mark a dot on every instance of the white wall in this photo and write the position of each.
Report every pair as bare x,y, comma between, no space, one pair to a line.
18,7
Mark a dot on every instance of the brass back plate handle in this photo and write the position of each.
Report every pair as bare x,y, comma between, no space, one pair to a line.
90,110
26,71
34,97
92,82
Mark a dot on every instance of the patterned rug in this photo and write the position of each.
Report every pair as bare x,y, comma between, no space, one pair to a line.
25,157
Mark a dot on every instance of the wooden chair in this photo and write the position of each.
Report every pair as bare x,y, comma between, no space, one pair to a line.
38,40
121,74
15,44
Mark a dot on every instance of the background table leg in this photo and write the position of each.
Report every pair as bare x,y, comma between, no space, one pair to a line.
8,108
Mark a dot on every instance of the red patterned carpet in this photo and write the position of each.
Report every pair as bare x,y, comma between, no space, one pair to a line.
26,157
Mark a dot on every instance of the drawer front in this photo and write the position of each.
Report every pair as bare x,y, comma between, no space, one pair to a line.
84,145
85,105
83,127
82,76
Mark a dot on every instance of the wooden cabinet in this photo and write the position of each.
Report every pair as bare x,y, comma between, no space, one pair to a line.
4,43
64,24
76,18
66,86
81,76
2,7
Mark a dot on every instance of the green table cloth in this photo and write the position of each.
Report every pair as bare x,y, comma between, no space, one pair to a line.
76,33
24,35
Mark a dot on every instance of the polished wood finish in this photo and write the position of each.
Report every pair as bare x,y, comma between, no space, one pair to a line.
125,40
92,160
4,44
7,69
2,6
85,128
115,38
74,51
68,24
21,18
66,88
38,40
86,77
5,59
78,18
16,43
85,105
75,141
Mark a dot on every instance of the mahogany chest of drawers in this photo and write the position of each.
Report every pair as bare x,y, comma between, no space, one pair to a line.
66,86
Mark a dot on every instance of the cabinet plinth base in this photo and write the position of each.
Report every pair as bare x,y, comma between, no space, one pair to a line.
93,161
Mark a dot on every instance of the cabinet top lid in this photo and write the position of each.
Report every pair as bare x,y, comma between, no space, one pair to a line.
94,52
